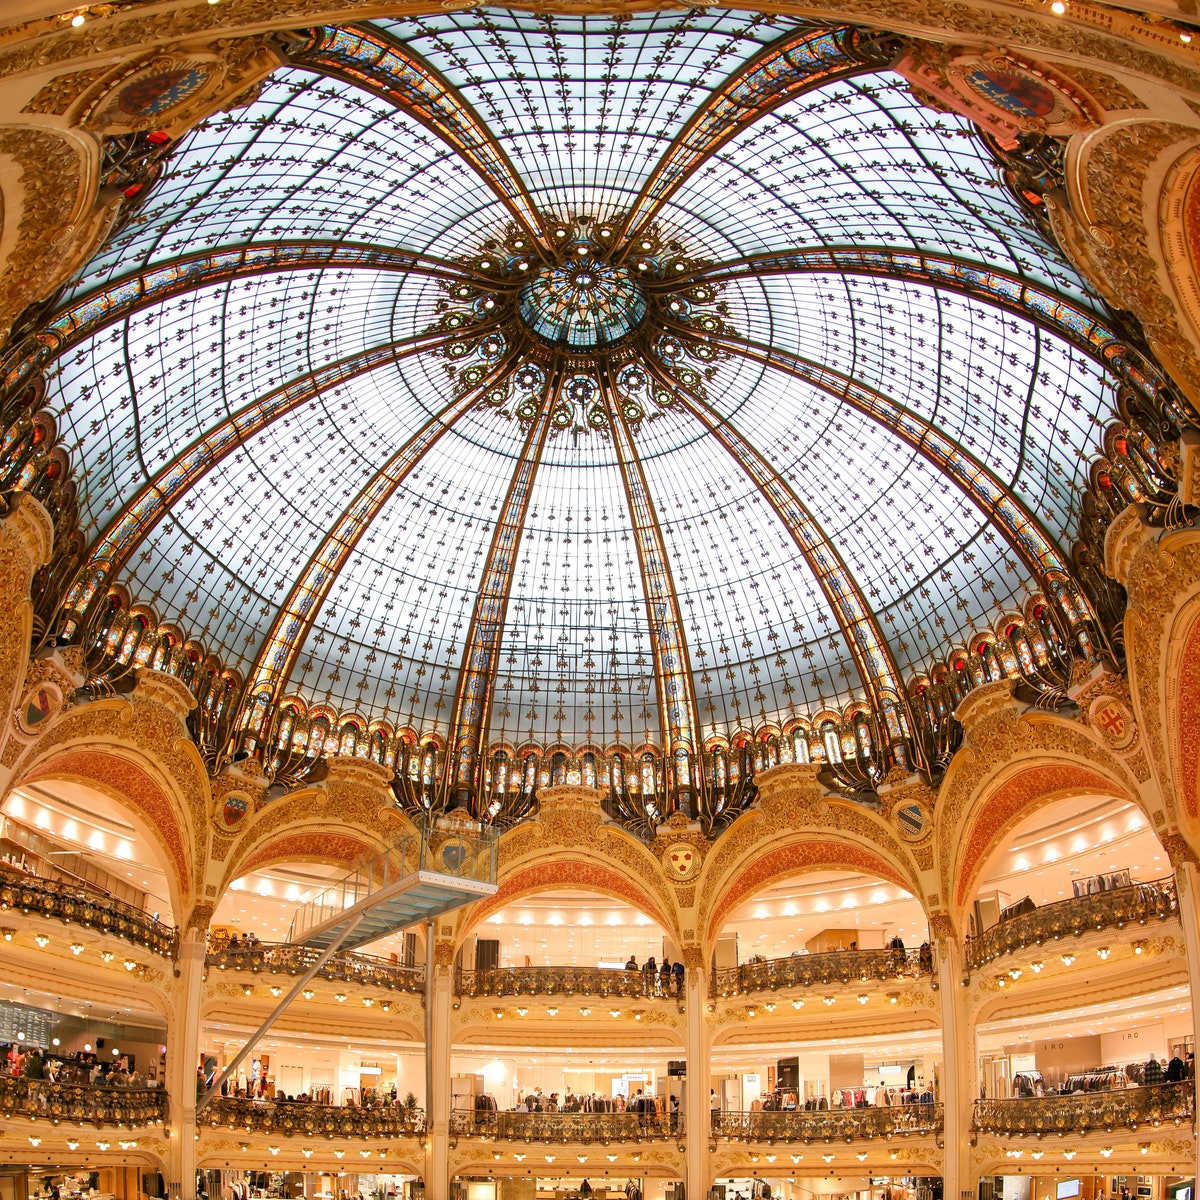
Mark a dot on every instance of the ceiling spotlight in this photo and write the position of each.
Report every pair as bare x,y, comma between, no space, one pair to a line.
1058,8
78,19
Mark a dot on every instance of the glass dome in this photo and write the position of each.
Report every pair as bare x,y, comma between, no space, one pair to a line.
354,412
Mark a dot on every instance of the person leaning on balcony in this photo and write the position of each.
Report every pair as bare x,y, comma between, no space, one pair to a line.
677,972
1154,1072
631,965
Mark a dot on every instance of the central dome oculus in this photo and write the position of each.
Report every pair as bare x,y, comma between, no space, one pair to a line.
583,303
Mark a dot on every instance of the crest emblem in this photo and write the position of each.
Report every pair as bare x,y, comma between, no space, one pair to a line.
1114,722
682,860
234,810
39,705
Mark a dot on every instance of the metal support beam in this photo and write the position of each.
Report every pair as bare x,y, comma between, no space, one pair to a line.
277,1012
430,930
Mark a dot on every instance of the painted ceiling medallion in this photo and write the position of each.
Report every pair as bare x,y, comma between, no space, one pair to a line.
682,861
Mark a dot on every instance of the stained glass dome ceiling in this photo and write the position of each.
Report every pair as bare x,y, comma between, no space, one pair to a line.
592,379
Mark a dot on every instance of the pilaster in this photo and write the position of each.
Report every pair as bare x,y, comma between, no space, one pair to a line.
183,1040
437,1103
1187,888
958,1054
699,1072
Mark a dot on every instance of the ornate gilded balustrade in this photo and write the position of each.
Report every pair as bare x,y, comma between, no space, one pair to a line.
81,1104
1134,905
832,1125
567,981
1089,1112
288,1117
76,905
567,1127
805,970
281,958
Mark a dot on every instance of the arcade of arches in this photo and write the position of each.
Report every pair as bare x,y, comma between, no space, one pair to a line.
735,470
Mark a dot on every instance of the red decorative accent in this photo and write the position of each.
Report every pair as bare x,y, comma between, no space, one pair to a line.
339,848
795,858
1020,796
571,873
1188,707
124,781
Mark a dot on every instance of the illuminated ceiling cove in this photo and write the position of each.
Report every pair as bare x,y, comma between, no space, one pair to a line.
563,379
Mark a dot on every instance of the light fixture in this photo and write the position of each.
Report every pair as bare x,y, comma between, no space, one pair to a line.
102,1145
1036,1153
1139,947
106,956
582,1157
34,1140
78,19
276,990
365,1153
519,1157
368,1001
498,1013
1106,1151
273,1149
247,989
549,1158
1058,8
769,1006
42,940
893,997
308,993
340,997
1144,1147
751,1011
522,1011
386,1006
797,1004
306,1152
827,1158
552,1011
339,1154
77,948
1185,37
797,1157
829,999
1068,959
1036,967
1015,973
1103,952
1068,1154
8,934
72,1144
863,998
614,1012
611,1157
861,1156
130,965
584,1012
127,1145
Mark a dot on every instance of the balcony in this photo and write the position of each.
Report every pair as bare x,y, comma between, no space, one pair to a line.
566,981
80,1104
282,958
289,1117
1089,1112
1134,905
807,970
74,905
833,1125
571,1128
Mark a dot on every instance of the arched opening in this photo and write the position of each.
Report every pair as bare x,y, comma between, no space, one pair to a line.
1066,903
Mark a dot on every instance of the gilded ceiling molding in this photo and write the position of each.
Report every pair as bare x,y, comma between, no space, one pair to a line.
877,666
86,315
142,511
1081,327
1020,527
680,728
383,66
284,640
481,649
782,71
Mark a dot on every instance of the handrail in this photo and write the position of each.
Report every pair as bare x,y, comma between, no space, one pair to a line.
82,906
80,1103
1089,1112
290,1117
1137,903
347,966
580,1127
567,981
805,970
836,1124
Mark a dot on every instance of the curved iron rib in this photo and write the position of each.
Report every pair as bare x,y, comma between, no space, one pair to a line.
786,68
297,614
142,511
1079,326
391,70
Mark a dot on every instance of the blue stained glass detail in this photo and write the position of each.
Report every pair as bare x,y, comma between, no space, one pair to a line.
592,304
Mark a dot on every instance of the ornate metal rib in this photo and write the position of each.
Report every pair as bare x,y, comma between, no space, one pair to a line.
876,664
807,59
281,646
127,530
1020,527
1085,330
477,677
394,72
104,306
672,669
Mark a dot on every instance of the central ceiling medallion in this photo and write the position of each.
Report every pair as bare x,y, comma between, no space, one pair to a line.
584,303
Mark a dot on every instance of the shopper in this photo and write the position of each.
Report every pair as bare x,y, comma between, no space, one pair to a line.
631,965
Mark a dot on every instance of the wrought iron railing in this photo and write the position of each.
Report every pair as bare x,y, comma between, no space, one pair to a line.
828,1125
582,1127
288,1117
568,981
1136,904
81,1104
807,970
1089,1112
282,958
76,905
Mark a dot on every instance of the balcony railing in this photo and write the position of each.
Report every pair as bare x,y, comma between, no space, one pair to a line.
805,970
282,958
288,1117
1134,905
568,981
1089,1112
832,1125
76,905
81,1104
584,1127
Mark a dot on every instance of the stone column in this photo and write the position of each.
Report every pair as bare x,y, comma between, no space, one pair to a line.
699,1071
437,1105
958,1057
1187,886
183,1048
